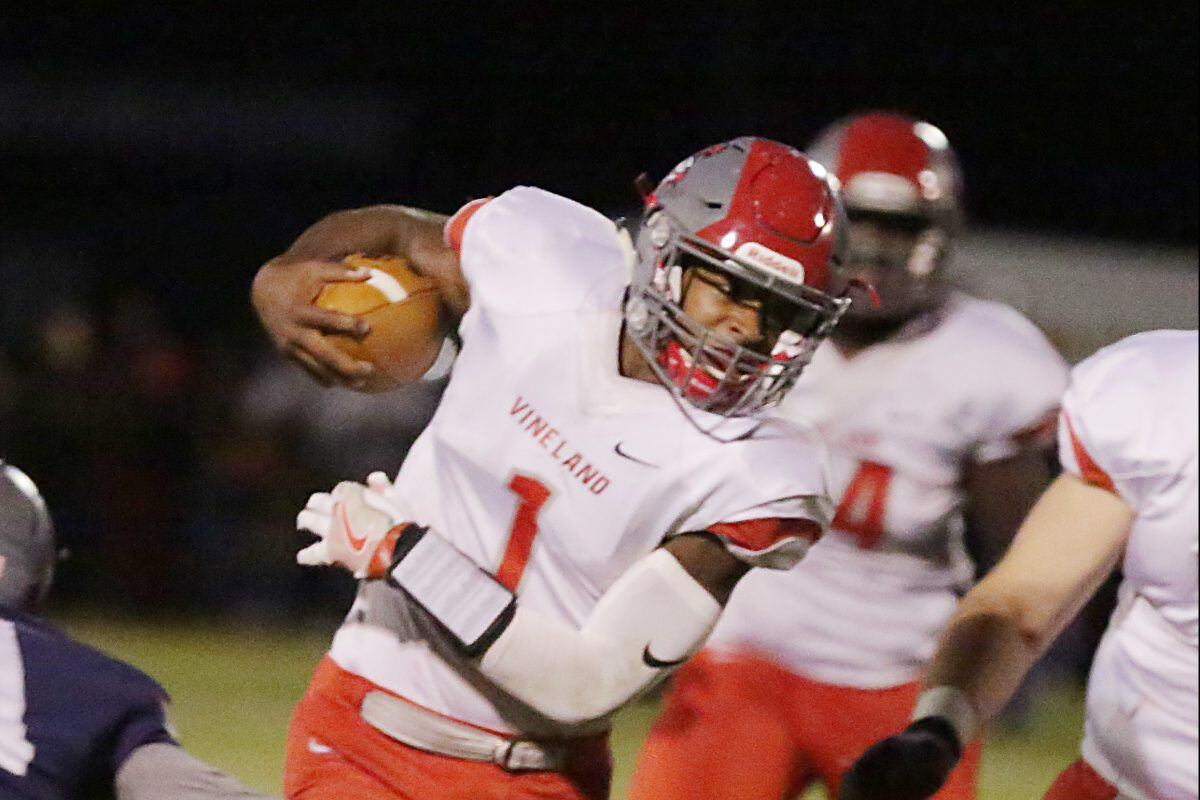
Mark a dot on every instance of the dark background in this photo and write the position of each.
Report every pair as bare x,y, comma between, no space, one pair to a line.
152,156
184,144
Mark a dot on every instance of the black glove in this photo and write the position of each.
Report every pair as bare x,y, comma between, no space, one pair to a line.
912,765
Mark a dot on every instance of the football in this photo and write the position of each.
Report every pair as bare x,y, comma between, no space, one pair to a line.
404,310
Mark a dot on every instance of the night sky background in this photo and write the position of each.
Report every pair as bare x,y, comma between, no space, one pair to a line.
178,146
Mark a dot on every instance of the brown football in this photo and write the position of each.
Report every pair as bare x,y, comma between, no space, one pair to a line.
404,310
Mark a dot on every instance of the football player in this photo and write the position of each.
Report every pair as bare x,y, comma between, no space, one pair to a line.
938,409
74,723
601,471
1127,439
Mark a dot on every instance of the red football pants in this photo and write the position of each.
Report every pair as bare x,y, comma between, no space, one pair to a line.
744,728
1080,782
333,754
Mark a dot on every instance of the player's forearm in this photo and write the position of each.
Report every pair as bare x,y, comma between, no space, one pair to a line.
986,652
375,230
649,622
1066,548
167,772
1002,627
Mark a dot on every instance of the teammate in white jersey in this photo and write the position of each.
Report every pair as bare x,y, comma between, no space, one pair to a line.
935,405
599,474
1127,438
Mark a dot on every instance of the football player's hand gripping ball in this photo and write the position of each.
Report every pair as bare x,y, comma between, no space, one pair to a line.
283,297
358,527
912,765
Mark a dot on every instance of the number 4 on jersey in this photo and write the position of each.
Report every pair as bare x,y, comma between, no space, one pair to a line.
864,503
532,494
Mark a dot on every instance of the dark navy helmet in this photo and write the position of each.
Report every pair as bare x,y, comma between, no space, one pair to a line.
27,545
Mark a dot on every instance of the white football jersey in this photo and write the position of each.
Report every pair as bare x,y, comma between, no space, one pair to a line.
547,467
1129,424
902,419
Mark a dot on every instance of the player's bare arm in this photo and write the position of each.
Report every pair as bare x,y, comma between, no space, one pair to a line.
1069,545
1072,540
709,563
285,287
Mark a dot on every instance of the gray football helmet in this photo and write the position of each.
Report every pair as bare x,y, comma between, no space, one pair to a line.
765,216
27,543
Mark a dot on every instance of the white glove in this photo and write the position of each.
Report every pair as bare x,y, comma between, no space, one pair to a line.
358,527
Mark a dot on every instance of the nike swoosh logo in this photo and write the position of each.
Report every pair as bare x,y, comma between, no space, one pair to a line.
617,449
653,663
357,542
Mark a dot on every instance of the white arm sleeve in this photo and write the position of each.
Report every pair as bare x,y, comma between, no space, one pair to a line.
650,621
168,772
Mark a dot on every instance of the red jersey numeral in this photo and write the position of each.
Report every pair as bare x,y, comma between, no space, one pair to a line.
532,495
863,504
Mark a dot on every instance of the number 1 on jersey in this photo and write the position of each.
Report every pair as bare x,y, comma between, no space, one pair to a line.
531,494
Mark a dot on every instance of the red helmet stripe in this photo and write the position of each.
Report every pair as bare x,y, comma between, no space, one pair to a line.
780,203
881,143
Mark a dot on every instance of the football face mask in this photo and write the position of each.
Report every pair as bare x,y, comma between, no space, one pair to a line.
757,222
898,256
711,371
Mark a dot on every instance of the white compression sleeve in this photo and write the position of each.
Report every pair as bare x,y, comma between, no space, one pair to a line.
650,621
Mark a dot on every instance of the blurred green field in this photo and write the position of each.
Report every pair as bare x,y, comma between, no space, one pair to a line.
234,687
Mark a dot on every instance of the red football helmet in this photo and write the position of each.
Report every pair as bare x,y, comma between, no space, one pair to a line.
900,175
765,216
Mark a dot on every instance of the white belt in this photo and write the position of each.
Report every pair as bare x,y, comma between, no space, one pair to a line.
431,732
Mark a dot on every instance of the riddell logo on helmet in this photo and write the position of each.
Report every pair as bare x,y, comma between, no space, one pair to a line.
767,258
